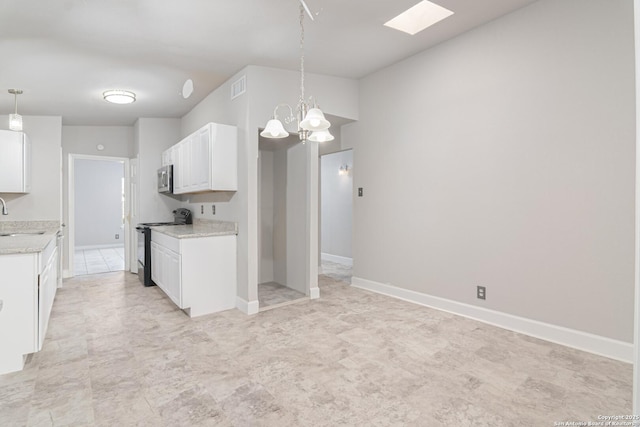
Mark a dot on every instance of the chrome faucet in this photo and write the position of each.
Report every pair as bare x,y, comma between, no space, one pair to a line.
4,207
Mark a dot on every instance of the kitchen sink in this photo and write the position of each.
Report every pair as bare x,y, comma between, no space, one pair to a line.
21,233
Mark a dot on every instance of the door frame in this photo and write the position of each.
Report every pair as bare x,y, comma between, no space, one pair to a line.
127,206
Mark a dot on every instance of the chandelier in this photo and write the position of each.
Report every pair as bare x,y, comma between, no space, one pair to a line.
311,123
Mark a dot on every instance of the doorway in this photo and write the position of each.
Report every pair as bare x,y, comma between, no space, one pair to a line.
336,215
99,233
280,278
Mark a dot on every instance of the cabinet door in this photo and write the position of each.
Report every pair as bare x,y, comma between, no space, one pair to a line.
14,154
224,158
46,295
26,153
156,263
182,169
18,304
166,157
171,267
201,160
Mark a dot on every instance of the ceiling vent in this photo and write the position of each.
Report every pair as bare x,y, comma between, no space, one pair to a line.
239,87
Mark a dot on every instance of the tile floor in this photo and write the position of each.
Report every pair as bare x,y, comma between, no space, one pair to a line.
272,294
94,261
120,354
336,271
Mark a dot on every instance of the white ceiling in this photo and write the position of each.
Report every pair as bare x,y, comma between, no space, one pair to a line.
64,53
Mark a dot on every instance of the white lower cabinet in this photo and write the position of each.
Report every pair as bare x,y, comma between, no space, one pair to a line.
197,274
165,271
27,290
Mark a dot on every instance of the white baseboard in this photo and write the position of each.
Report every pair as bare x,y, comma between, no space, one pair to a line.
109,246
66,274
336,258
603,346
314,293
247,307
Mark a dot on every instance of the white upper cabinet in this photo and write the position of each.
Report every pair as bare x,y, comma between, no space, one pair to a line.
206,160
15,162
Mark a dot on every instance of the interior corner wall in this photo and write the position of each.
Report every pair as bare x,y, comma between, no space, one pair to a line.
266,207
44,200
280,217
505,158
153,136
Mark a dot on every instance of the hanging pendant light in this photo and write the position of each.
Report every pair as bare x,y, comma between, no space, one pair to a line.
321,136
15,120
309,120
315,121
274,129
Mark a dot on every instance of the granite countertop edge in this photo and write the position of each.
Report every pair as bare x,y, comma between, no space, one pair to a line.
27,244
200,228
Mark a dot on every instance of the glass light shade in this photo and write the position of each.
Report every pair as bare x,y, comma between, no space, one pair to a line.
321,136
119,96
15,122
274,129
315,121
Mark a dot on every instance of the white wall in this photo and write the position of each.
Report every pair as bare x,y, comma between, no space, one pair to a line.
98,203
43,202
505,158
337,204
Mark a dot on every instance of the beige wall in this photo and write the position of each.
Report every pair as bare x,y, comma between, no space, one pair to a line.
505,158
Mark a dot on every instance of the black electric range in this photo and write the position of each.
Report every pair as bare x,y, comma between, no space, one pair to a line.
181,216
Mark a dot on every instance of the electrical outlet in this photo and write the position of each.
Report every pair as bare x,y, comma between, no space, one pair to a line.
117,236
360,191
202,209
482,292
213,209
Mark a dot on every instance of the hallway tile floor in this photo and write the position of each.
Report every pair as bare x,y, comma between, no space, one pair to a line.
119,354
94,261
272,293
336,271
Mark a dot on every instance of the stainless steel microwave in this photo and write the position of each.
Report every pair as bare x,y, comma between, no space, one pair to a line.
165,179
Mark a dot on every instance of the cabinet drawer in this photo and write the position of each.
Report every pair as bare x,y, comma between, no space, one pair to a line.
166,241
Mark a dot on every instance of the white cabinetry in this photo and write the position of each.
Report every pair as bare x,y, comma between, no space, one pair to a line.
47,286
15,162
197,274
165,271
27,291
206,160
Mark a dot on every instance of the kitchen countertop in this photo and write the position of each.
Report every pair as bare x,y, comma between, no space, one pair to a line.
199,228
27,243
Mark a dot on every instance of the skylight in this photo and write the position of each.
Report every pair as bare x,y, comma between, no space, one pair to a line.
419,17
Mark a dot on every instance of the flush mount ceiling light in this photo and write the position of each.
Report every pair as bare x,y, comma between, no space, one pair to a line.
309,120
419,17
15,120
119,96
